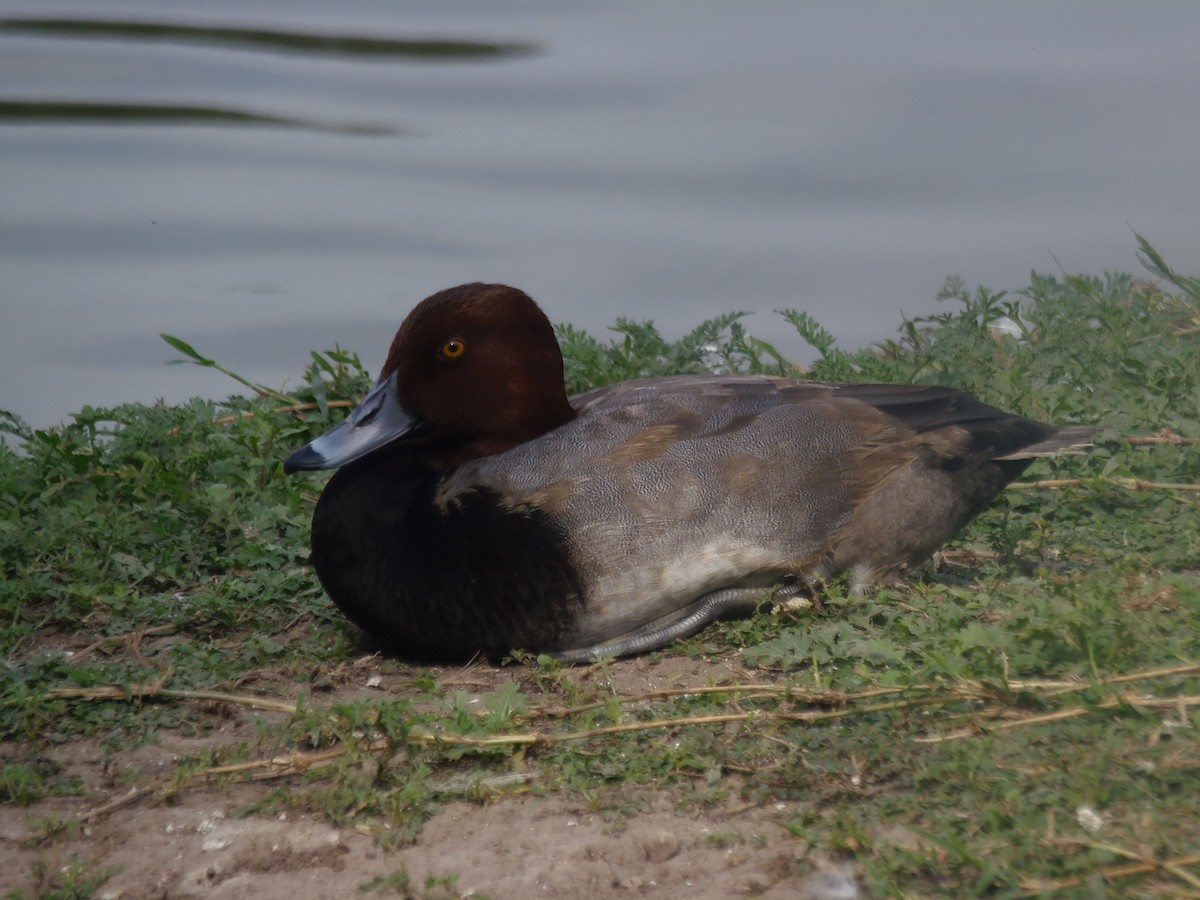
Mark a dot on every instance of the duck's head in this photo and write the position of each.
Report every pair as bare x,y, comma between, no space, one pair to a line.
474,370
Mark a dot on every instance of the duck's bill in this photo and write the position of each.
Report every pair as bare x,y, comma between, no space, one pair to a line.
375,422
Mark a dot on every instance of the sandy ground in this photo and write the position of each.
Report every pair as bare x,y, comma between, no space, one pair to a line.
519,846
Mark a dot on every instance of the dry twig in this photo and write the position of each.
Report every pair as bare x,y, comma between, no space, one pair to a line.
1133,484
1142,865
995,700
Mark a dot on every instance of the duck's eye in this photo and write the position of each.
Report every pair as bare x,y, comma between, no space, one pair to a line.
453,349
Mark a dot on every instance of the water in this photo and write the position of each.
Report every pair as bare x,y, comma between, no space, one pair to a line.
260,198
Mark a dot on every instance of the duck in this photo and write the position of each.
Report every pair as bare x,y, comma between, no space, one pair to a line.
477,509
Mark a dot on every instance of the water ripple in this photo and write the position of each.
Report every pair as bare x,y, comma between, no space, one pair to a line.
15,112
260,38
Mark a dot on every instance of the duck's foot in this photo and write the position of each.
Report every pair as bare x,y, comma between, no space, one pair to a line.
728,603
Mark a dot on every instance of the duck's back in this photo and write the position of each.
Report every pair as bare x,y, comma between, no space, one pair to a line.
668,489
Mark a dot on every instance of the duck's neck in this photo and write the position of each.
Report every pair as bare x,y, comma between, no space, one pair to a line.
447,451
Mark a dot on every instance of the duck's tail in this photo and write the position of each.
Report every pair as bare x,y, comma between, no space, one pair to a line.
1065,439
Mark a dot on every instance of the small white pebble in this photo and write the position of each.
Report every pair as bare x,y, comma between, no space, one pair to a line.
1088,818
213,844
374,681
834,883
207,825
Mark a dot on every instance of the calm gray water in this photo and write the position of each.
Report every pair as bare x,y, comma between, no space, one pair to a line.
260,196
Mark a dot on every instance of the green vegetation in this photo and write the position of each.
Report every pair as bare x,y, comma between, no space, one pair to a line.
1021,717
77,880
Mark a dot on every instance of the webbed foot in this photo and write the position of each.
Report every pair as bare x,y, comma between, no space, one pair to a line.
723,604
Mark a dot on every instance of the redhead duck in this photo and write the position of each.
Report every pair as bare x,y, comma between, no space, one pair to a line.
477,509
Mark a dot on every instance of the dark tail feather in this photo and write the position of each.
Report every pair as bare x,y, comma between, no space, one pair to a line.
1067,439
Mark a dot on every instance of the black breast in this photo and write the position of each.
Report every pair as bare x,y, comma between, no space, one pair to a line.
433,583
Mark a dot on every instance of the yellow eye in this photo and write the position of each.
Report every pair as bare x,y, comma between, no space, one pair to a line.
453,349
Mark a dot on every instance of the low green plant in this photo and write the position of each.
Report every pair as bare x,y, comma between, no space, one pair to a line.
77,880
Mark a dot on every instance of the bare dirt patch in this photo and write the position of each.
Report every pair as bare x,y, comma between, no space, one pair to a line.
199,841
